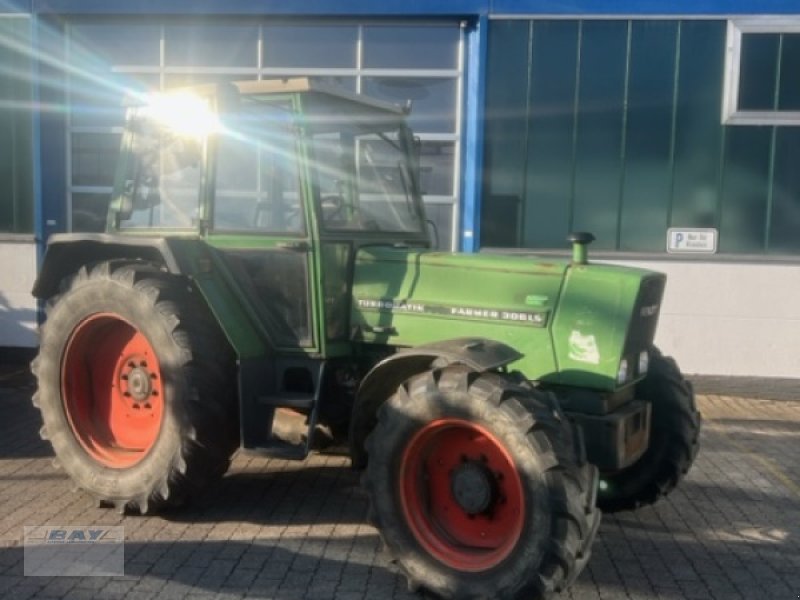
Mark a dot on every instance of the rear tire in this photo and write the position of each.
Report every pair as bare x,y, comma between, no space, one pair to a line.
478,488
136,387
674,441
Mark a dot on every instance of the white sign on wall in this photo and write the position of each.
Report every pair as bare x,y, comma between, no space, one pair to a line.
689,240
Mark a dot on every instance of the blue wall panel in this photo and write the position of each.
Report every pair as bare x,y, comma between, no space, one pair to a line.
419,7
472,184
643,7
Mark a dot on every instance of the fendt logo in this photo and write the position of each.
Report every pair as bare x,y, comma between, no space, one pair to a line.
649,311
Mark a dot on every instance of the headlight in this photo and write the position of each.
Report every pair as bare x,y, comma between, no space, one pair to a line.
644,362
622,374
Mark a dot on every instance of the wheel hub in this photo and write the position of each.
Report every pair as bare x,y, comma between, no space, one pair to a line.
139,385
473,487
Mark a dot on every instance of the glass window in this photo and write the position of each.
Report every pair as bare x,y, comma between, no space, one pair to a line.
758,69
257,178
162,187
102,105
16,175
433,100
442,217
437,162
97,43
94,156
179,80
211,45
176,53
410,47
363,182
789,93
90,211
310,46
761,82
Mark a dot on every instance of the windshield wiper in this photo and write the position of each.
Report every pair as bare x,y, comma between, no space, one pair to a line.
393,143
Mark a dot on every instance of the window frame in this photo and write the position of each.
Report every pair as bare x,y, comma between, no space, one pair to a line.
163,71
737,28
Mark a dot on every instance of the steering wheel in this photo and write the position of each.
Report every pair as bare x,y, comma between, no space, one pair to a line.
332,207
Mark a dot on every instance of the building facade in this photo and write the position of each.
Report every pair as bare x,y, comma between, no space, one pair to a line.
668,129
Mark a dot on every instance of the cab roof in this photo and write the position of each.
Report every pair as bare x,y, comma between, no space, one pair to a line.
306,85
294,85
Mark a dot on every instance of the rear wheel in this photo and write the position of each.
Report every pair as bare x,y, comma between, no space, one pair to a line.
674,441
135,387
477,487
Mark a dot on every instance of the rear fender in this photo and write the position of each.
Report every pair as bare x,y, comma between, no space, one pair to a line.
385,377
68,252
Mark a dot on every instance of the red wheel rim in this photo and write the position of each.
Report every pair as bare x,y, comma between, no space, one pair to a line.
436,463
112,390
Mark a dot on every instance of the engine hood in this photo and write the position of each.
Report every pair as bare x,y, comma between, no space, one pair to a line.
407,296
572,323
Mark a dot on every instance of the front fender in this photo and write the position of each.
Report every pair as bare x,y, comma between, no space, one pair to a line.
384,378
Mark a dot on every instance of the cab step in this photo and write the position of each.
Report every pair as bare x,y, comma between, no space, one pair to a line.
276,422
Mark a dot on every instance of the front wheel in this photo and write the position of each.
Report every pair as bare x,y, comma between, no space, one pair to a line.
477,487
674,441
135,386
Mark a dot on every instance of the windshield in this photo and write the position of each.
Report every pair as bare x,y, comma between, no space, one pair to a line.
364,181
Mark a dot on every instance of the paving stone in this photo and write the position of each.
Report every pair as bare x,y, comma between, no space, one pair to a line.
279,530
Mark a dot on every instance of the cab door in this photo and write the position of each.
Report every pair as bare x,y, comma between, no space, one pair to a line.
260,221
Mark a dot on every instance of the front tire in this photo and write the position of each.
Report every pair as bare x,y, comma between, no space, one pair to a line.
135,387
674,441
477,488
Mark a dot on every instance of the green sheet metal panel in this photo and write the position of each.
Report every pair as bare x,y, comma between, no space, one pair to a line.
599,130
698,132
590,326
225,300
784,224
745,189
407,298
506,100
647,181
621,135
549,165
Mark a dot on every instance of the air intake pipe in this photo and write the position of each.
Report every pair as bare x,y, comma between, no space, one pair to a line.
580,240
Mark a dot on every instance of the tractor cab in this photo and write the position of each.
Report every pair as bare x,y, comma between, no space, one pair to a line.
269,157
279,177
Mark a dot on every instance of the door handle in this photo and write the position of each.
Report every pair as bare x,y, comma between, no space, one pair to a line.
294,246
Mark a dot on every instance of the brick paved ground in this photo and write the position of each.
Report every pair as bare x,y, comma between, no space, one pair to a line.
275,529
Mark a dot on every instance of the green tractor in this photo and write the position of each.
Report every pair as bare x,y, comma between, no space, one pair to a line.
266,281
